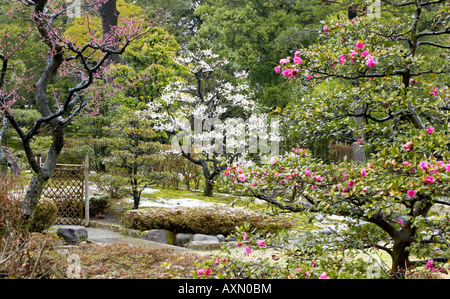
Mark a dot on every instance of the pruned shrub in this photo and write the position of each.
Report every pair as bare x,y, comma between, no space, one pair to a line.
98,204
44,216
203,220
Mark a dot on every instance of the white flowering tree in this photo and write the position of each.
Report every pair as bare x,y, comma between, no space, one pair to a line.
211,117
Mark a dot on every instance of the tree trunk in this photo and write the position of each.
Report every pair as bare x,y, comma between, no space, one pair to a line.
136,199
399,255
109,14
40,178
33,194
209,185
359,152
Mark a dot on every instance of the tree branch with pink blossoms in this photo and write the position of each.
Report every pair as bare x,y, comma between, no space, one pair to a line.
64,60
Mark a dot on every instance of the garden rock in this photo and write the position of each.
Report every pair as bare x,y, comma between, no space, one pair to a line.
182,239
72,234
159,235
202,245
204,242
205,238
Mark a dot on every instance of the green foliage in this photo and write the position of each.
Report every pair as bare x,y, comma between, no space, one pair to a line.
98,204
135,152
149,65
375,91
254,34
44,216
259,255
394,191
113,184
201,220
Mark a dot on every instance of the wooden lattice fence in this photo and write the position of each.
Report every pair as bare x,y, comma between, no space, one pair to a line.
67,188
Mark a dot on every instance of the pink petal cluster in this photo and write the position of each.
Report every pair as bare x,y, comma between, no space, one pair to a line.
205,272
410,193
408,146
359,45
363,173
429,180
261,242
434,92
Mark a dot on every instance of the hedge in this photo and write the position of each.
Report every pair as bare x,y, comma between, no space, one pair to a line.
202,220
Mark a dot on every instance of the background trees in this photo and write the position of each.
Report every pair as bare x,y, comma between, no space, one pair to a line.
135,152
66,63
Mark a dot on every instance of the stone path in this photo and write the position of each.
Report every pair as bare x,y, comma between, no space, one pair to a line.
109,236
106,236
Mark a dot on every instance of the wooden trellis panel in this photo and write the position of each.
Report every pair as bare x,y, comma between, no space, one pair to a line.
66,189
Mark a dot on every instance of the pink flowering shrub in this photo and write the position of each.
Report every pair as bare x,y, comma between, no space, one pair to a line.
394,191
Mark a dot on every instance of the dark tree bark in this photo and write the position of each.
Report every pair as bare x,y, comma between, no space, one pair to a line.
54,118
109,15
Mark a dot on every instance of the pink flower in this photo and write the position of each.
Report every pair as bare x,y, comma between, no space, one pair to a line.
254,184
297,53
410,193
286,72
261,242
307,172
406,163
339,24
363,173
370,62
242,178
429,264
365,53
239,244
248,250
352,55
430,130
408,146
317,178
447,167
350,183
310,77
205,271
342,59
294,174
298,60
284,61
434,92
278,69
226,173
244,237
423,166
429,180
324,276
326,28
401,222
359,45
344,176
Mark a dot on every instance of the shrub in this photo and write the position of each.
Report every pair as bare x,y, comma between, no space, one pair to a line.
98,204
204,220
44,216
113,184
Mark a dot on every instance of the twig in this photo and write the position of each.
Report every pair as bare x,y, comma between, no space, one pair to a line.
38,258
